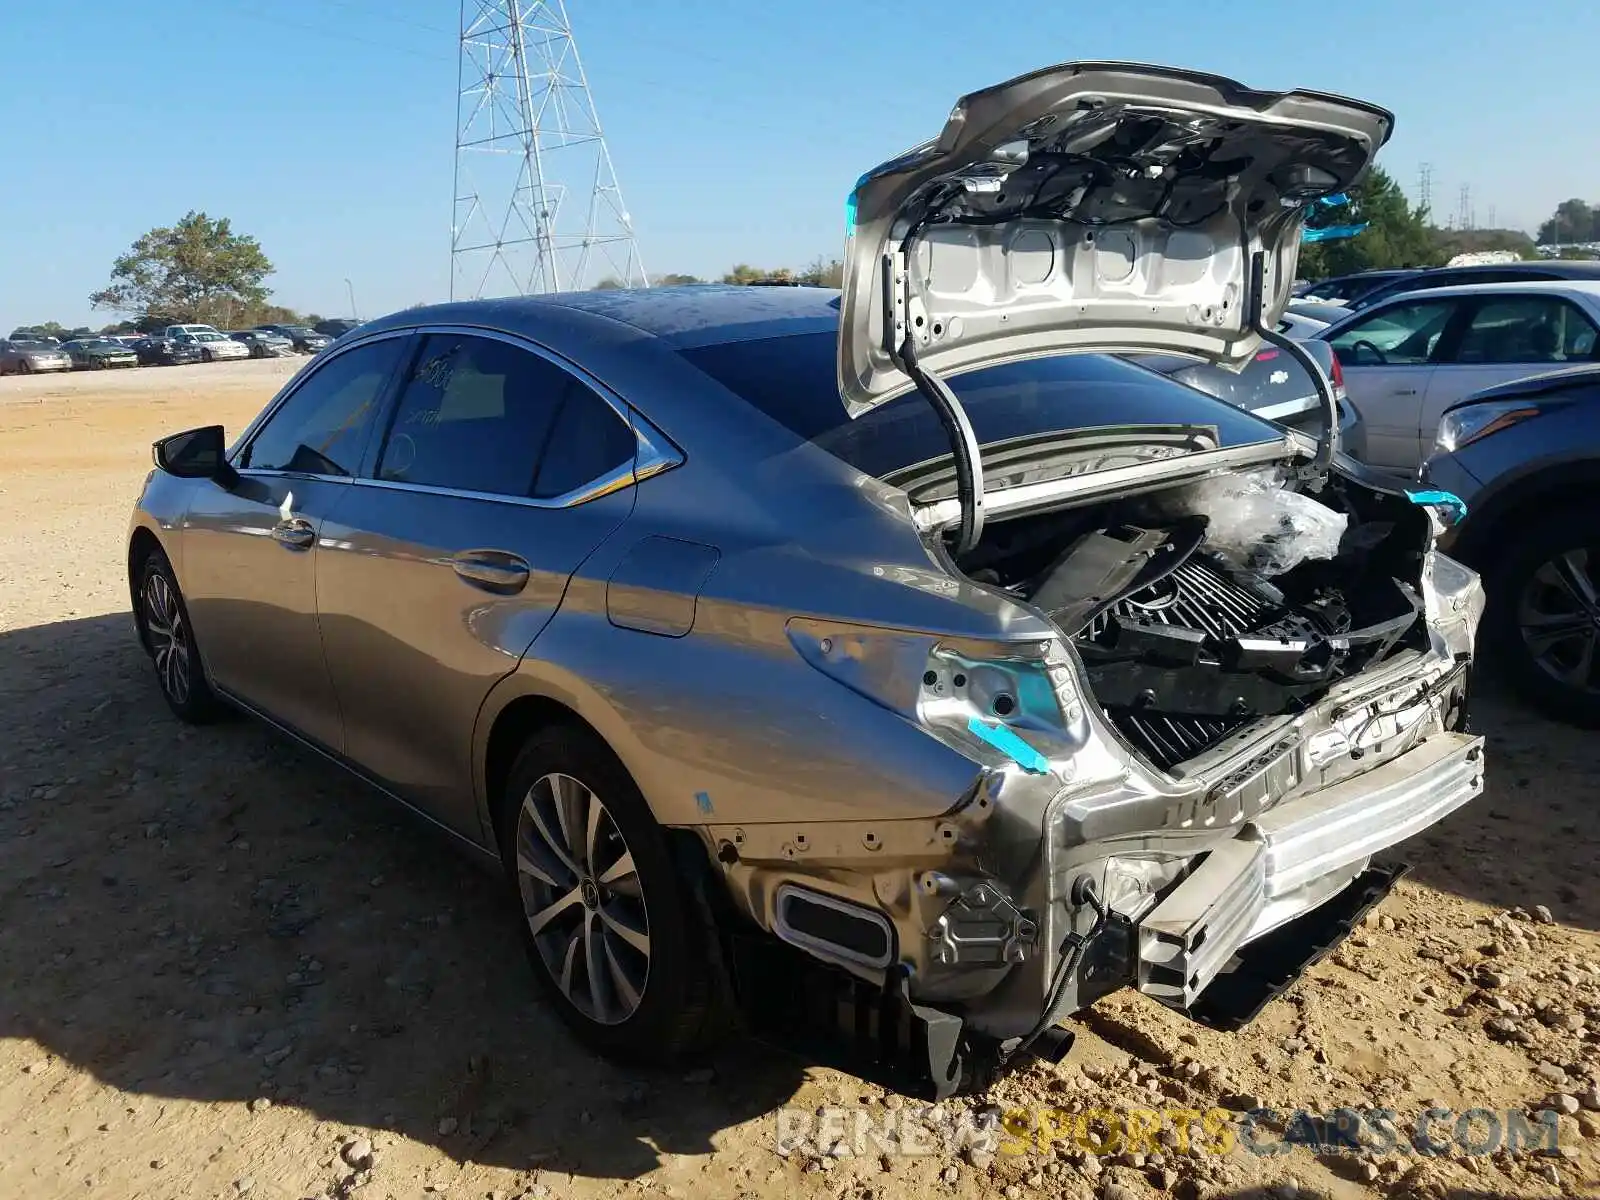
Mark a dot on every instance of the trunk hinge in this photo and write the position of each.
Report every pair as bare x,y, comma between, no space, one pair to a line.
963,441
1328,443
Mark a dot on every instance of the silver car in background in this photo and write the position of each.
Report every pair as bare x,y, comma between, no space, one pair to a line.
18,356
867,663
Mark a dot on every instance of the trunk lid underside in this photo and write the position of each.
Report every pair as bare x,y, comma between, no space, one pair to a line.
1089,207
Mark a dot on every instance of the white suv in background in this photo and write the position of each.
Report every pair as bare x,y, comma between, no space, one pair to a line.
214,344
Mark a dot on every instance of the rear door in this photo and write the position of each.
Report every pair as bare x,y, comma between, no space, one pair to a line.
499,473
1505,337
1387,356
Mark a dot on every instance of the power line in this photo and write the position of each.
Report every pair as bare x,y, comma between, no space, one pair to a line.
536,195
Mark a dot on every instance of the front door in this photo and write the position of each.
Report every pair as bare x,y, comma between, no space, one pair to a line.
1387,356
250,553
499,474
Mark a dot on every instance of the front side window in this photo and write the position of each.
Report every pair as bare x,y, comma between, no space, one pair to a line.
322,428
1401,334
1526,329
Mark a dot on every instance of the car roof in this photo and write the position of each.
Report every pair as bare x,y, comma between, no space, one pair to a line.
1559,287
682,316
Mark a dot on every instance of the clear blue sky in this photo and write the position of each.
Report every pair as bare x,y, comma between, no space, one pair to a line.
326,127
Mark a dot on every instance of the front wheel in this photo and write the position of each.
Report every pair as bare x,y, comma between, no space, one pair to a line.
1543,618
615,936
164,620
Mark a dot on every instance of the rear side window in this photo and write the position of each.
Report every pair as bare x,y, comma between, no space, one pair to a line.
1526,329
474,416
793,380
322,428
589,441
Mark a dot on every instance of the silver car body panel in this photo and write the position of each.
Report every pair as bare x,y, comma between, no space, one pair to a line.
1090,206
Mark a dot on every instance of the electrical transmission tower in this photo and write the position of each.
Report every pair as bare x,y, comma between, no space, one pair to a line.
1425,187
1466,206
537,206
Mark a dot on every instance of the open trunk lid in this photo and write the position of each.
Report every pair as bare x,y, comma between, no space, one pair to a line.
1088,207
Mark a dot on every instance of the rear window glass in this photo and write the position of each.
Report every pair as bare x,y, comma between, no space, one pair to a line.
792,380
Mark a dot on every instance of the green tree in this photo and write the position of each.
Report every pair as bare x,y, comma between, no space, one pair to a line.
1574,221
824,272
1397,234
674,279
744,273
49,329
197,270
609,284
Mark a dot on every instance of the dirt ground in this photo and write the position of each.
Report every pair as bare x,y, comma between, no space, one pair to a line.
226,969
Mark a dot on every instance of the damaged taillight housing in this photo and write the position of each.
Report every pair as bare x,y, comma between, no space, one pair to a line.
1001,704
1453,600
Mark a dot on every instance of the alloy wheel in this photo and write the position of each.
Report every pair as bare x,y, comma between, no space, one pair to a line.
582,898
169,637
1558,616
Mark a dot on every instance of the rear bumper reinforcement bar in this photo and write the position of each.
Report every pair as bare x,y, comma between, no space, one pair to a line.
1294,858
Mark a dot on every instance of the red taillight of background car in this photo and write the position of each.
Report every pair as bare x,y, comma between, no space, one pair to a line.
1336,376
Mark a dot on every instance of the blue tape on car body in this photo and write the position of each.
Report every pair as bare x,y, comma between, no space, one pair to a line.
1009,744
1440,499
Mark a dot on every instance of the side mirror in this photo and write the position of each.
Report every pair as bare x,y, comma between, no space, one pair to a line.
196,454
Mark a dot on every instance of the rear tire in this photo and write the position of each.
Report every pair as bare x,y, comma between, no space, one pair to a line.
169,639
1542,622
615,935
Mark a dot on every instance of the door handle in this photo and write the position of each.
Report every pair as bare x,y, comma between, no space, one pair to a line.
296,533
1404,392
492,570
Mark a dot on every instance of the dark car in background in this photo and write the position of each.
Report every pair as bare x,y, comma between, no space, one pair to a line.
23,356
1524,457
305,339
1347,289
98,354
1541,271
335,328
158,351
264,343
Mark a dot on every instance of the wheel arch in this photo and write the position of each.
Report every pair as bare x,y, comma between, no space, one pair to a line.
142,543
1531,495
519,706
517,710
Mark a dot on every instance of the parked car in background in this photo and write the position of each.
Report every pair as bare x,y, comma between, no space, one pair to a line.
178,331
263,344
22,334
305,339
335,327
1345,289
1525,458
1276,387
1408,359
214,346
20,356
1322,314
1544,270
97,354
157,351
912,694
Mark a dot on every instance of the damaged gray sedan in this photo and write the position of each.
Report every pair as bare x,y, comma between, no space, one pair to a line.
893,666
